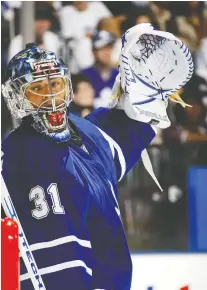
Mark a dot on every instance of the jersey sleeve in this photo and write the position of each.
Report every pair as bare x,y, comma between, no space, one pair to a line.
127,138
52,214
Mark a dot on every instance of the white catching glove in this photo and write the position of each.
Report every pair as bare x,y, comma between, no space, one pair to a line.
154,65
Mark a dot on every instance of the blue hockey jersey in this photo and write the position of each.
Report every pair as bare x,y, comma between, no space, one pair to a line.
66,199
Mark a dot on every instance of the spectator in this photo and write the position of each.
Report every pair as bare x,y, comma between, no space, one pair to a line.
186,142
4,45
196,89
189,129
160,13
120,24
195,16
6,119
190,123
120,8
55,7
114,25
102,75
83,95
201,59
78,23
81,18
44,38
189,20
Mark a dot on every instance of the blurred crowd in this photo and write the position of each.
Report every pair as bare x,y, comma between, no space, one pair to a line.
87,36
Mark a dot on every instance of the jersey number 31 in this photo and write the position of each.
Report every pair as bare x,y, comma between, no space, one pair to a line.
42,209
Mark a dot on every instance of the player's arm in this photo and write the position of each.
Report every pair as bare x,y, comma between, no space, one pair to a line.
127,138
53,219
153,66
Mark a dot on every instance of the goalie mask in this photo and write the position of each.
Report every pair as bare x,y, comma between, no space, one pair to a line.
38,84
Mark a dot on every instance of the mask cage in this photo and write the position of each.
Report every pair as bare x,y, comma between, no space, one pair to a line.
17,102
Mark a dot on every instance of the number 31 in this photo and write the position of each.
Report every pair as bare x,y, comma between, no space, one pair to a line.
42,208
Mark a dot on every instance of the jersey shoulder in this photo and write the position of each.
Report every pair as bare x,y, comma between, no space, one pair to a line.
23,136
29,148
92,135
13,139
85,127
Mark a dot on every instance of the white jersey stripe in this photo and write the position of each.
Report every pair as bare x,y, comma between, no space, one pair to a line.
113,145
109,139
112,190
116,207
59,267
60,241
